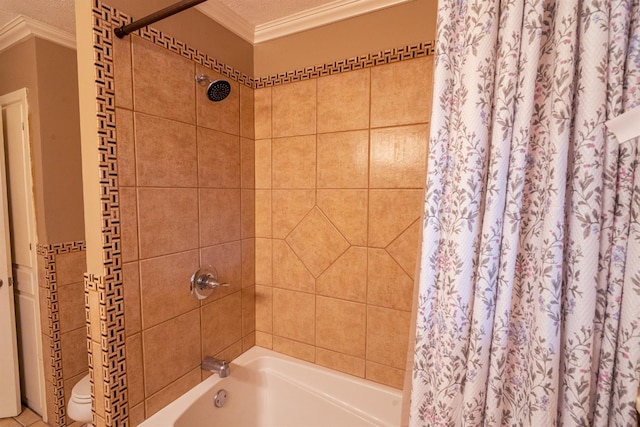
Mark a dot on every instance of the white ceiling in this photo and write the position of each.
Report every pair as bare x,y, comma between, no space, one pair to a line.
58,13
253,20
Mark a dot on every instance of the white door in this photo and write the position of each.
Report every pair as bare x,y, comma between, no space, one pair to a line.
9,378
23,247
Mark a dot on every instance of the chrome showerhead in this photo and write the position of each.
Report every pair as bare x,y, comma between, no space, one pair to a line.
217,90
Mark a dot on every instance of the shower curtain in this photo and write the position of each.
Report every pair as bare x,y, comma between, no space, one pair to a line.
529,288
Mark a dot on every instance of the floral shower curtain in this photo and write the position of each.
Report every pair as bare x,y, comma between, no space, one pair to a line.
529,300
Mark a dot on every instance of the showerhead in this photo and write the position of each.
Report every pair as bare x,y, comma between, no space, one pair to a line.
217,90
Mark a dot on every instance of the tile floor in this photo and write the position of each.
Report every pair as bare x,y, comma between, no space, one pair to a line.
29,418
26,418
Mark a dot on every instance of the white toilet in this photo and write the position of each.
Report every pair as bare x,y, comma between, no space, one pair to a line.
79,407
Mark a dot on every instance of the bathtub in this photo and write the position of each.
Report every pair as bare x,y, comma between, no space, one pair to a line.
268,389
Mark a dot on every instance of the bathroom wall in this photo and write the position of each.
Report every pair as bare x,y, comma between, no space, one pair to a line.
340,170
186,178
48,71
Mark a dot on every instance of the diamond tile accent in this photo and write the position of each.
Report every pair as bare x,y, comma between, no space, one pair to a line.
390,213
288,209
405,248
288,271
387,284
347,210
317,242
347,277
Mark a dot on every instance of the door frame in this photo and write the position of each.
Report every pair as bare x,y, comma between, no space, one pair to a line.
20,96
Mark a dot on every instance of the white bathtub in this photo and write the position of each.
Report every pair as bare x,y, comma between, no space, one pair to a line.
268,389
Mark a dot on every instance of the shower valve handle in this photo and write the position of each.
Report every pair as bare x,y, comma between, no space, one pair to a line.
204,281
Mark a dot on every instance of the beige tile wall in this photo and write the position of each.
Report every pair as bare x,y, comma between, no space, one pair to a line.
306,197
339,173
186,188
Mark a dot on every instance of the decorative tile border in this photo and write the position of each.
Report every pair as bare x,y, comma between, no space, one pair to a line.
49,253
106,351
351,64
109,286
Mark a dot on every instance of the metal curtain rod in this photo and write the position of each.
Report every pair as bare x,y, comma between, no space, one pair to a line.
156,16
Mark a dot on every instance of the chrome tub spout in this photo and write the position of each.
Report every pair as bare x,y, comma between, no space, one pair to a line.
217,366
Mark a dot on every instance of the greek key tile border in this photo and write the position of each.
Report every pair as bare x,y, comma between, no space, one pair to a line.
109,286
104,350
49,253
356,63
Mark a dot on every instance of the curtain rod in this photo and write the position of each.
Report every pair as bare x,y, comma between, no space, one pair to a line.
156,16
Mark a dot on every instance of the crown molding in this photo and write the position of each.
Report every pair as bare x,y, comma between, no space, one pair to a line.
318,16
22,27
315,17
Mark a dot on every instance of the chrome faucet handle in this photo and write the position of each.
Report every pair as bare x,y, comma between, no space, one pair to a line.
204,281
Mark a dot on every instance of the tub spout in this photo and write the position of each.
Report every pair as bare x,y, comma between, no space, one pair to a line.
221,367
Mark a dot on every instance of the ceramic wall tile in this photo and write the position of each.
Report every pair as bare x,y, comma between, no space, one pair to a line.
123,72
132,307
347,210
343,159
401,92
294,315
164,282
126,147
171,350
341,326
399,157
218,159
219,216
262,111
317,242
168,220
173,95
387,283
293,162
347,277
294,109
221,324
166,154
343,101
340,362
387,336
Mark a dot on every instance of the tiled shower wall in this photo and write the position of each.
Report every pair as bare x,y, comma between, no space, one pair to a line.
63,322
186,188
327,172
339,176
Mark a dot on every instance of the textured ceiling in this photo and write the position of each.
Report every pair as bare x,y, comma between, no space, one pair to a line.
58,13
